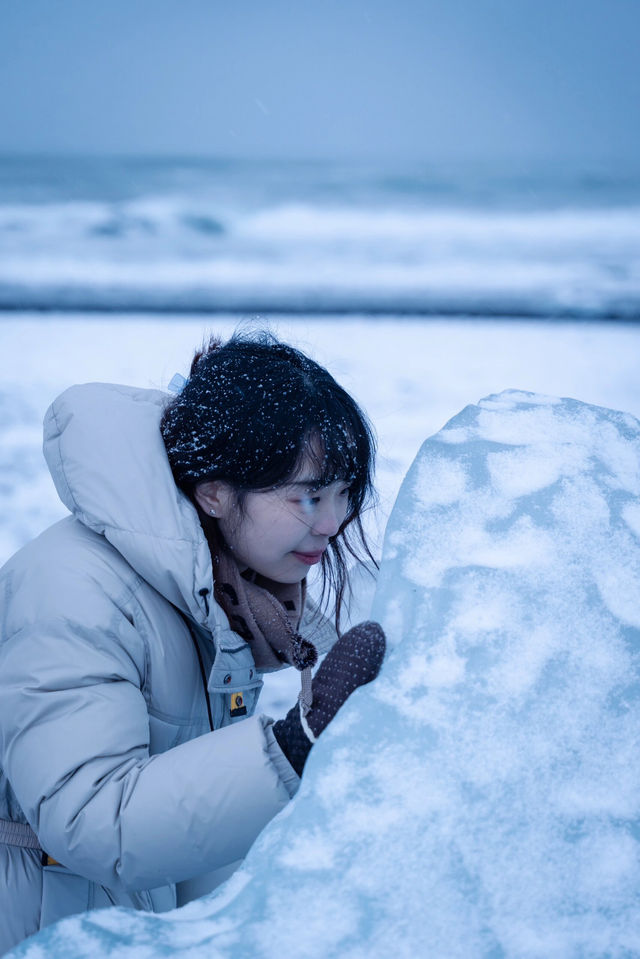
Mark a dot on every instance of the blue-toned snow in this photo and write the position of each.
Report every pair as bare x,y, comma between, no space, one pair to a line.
482,798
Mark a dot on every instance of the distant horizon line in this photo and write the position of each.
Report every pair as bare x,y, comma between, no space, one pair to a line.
466,160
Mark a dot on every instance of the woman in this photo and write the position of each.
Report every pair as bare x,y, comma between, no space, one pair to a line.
134,632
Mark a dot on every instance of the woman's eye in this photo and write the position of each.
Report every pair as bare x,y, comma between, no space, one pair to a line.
307,501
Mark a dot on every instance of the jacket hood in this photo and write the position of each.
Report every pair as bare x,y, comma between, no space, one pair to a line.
103,447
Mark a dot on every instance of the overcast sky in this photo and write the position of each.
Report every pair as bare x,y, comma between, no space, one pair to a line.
419,79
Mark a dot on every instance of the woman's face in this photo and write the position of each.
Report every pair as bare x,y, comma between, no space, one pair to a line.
281,532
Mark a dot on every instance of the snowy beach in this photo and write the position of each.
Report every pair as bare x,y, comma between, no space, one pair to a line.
411,376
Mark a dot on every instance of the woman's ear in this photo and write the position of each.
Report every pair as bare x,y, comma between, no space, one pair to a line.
213,497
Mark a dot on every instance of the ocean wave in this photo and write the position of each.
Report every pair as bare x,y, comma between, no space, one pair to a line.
166,252
168,217
563,225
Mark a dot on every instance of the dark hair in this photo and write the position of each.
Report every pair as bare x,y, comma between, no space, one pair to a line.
249,413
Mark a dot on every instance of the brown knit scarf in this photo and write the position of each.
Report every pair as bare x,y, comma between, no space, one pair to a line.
264,613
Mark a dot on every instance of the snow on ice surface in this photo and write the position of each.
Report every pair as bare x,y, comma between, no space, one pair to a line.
482,798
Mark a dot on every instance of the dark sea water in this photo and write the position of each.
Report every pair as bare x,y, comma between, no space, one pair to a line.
185,235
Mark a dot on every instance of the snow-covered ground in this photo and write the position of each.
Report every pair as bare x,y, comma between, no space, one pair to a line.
410,375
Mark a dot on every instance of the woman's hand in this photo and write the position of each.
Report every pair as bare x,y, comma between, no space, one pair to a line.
352,662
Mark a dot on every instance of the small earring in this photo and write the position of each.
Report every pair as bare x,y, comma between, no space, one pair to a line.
213,512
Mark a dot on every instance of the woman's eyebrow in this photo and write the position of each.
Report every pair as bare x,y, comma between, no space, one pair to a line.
315,483
312,483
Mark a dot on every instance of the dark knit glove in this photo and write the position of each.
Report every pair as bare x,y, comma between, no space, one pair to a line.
354,661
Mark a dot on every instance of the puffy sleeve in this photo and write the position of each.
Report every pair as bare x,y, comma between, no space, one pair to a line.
74,744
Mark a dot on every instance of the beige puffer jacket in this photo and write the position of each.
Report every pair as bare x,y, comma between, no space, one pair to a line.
108,635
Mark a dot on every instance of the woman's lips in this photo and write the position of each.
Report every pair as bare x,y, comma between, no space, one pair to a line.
309,558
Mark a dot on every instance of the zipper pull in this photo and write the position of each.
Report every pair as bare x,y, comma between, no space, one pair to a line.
205,595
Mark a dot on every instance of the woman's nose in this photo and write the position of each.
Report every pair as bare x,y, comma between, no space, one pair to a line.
328,519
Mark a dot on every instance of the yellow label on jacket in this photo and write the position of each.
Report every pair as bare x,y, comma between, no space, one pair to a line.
238,707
